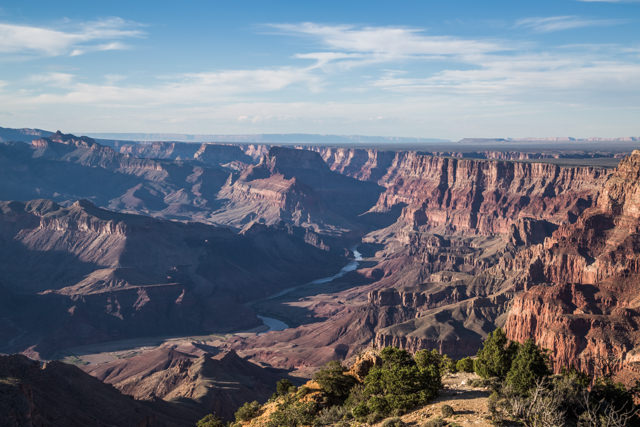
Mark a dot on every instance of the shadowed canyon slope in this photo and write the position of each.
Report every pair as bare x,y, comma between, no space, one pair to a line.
191,377
298,187
58,394
104,275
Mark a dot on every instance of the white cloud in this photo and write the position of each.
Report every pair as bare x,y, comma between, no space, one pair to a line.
477,89
560,23
365,45
86,37
556,78
191,88
52,79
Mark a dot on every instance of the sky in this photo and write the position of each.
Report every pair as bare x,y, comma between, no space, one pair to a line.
433,69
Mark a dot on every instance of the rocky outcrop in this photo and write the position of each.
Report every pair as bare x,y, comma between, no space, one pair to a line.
586,314
359,163
188,376
65,168
297,187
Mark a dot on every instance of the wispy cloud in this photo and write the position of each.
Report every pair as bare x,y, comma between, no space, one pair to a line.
560,23
356,45
85,37
190,88
350,78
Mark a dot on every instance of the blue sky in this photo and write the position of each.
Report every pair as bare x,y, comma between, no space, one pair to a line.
447,69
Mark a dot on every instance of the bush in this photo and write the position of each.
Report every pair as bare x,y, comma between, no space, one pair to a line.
331,416
530,365
424,358
447,364
334,383
248,411
393,357
393,422
210,421
496,355
465,365
447,411
283,387
436,422
401,383
293,414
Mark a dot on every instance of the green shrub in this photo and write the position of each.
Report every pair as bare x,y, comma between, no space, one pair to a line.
293,414
465,365
334,383
393,357
447,365
496,355
399,385
393,422
436,422
374,418
425,358
283,387
210,421
530,365
331,416
248,411
447,411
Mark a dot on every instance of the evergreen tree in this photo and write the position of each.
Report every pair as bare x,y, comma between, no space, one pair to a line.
495,356
530,365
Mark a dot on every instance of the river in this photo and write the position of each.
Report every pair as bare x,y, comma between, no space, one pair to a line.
278,325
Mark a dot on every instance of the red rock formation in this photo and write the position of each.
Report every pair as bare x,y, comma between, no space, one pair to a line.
297,187
587,314
485,197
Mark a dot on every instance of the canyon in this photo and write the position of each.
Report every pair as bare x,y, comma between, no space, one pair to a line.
188,246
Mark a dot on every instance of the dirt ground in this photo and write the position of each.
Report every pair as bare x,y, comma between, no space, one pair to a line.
469,404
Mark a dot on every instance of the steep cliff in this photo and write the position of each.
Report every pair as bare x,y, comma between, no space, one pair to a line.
297,187
460,195
586,309
66,168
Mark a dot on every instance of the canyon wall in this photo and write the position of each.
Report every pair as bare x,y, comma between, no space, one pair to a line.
585,306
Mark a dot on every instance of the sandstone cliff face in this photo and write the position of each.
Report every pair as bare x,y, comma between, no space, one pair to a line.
362,164
485,196
297,187
587,315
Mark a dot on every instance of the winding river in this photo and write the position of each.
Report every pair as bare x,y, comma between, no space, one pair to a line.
278,325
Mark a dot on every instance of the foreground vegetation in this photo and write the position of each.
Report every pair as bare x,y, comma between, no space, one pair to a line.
392,382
